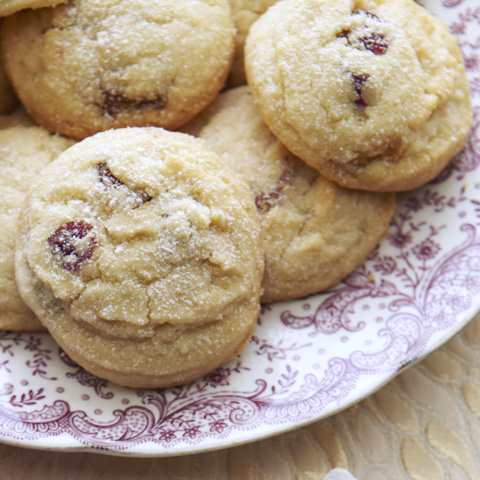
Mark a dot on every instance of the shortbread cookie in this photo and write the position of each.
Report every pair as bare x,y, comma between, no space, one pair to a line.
88,66
314,232
373,94
24,151
9,7
141,254
245,13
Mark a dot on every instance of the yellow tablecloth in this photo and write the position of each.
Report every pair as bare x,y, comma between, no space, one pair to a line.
424,425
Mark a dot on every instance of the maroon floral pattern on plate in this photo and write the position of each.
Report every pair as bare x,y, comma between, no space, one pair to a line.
308,358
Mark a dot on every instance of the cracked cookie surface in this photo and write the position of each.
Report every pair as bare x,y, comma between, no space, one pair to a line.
142,257
24,151
87,66
367,92
314,232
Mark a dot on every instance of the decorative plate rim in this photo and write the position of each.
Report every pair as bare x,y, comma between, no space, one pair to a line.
308,359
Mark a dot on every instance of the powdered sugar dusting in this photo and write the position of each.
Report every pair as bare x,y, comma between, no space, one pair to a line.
110,241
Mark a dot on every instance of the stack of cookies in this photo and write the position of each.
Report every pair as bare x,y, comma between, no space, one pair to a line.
145,251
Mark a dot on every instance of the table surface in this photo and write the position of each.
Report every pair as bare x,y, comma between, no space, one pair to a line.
423,425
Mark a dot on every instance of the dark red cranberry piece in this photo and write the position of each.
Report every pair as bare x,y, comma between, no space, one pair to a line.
376,43
66,241
265,201
115,103
367,13
358,83
108,179
344,34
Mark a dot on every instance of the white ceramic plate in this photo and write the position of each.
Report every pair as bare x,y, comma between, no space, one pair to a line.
308,359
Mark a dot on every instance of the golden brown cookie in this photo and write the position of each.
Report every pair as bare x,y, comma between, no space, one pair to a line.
245,13
373,94
24,151
88,66
141,254
314,232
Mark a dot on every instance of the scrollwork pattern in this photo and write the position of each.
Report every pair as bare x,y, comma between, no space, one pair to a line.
420,280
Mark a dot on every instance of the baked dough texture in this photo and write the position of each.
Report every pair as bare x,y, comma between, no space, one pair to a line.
9,7
244,13
141,254
87,66
314,232
24,151
372,94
